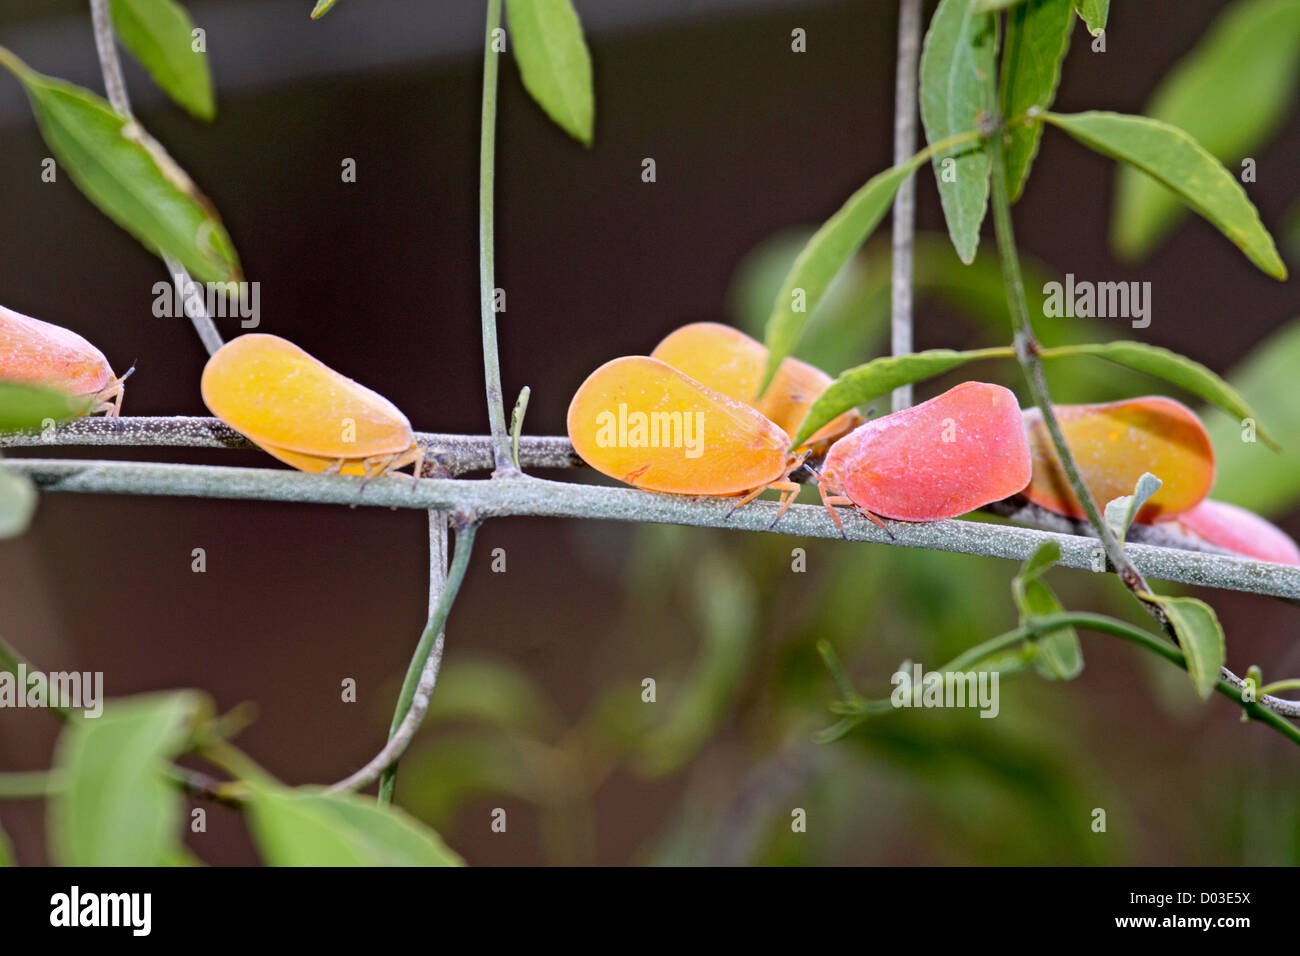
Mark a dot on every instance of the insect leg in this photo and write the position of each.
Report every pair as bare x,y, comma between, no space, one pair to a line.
877,522
830,502
789,491
374,467
748,497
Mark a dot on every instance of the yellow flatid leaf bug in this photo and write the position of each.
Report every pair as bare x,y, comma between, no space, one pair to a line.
300,410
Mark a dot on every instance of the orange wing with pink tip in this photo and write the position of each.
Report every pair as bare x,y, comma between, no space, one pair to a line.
38,353
942,458
1113,445
645,423
729,361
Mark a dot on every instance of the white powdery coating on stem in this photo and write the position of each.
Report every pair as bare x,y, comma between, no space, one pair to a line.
527,496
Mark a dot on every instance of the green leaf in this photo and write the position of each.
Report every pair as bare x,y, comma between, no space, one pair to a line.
1172,367
865,382
852,316
1175,159
956,62
128,175
1038,36
554,62
24,407
116,807
17,503
1251,54
1121,511
322,7
1094,14
308,827
1044,556
1201,637
1059,656
159,35
993,6
830,247
7,857
517,421
1246,472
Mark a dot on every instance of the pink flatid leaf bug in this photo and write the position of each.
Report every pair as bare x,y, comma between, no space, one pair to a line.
38,353
942,458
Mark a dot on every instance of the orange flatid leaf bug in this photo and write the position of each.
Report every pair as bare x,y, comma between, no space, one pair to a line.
645,423
942,458
729,361
1113,445
33,352
1238,530
301,411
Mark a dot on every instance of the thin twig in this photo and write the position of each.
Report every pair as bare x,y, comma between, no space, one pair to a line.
404,725
110,65
528,496
1268,711
487,267
451,456
413,702
904,225
446,455
28,785
1027,351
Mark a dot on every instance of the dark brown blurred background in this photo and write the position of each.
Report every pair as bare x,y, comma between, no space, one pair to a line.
378,279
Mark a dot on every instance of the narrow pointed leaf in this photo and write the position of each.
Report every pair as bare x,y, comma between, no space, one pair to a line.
1094,14
1172,367
1201,637
1121,511
882,375
322,7
830,247
956,63
1038,36
128,175
159,35
554,62
1171,156
1251,54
